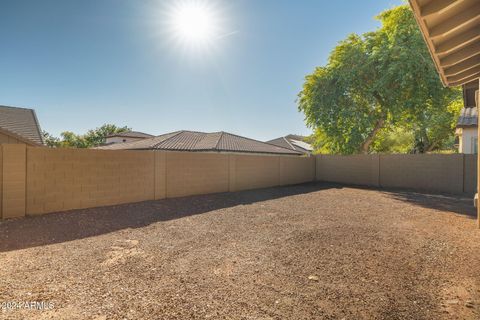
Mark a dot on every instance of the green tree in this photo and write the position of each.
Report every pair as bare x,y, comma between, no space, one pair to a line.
50,140
92,138
374,82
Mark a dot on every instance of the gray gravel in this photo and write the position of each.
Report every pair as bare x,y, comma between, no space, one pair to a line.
313,251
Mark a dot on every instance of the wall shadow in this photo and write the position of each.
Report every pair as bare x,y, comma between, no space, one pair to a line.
82,223
71,225
459,204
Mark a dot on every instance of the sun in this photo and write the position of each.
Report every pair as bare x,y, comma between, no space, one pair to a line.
193,23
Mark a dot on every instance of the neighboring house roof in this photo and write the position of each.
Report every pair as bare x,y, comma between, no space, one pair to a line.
292,142
201,141
21,123
468,118
130,134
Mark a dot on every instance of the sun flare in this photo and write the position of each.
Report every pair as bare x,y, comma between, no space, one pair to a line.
193,23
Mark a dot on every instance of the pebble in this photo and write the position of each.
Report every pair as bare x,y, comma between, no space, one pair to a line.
469,304
313,278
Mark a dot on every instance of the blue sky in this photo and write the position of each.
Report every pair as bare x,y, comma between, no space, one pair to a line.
80,64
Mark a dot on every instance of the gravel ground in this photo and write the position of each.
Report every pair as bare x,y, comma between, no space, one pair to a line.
311,251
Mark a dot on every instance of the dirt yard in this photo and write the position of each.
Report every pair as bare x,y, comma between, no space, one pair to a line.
313,251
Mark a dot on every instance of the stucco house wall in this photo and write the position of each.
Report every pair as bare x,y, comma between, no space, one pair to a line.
4,138
467,140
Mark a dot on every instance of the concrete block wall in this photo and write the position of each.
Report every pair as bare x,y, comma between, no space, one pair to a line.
191,173
160,178
252,172
424,172
470,173
13,177
355,169
41,180
9,139
65,179
297,170
435,173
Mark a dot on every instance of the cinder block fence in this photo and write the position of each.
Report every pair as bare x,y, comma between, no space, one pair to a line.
41,180
432,173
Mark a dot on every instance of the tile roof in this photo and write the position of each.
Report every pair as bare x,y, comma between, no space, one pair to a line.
293,142
22,123
201,141
131,134
468,117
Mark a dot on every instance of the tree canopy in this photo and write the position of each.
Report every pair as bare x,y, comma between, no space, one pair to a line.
92,138
376,84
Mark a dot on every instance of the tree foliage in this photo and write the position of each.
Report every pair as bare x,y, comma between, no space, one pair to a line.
376,82
92,138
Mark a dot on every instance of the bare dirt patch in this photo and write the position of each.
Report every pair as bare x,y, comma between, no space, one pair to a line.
312,251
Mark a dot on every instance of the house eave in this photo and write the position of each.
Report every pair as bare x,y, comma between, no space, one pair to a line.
450,30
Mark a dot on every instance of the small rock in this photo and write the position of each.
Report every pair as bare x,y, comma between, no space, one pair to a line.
469,304
313,278
452,301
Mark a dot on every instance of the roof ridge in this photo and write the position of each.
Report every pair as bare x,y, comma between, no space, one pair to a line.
37,125
195,131
288,142
260,142
218,141
13,107
119,134
173,134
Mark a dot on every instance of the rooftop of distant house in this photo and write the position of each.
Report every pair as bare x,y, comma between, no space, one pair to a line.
21,124
195,141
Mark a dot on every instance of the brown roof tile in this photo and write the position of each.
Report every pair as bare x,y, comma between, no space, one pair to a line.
21,122
293,142
130,134
201,141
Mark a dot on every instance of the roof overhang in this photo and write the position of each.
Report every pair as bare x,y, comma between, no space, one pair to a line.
451,29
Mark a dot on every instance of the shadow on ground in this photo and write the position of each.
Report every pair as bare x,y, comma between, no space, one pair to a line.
77,224
462,205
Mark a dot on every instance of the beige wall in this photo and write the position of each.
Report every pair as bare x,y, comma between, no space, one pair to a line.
468,140
296,170
13,176
9,139
64,179
455,173
160,171
253,172
355,169
41,180
428,172
190,173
